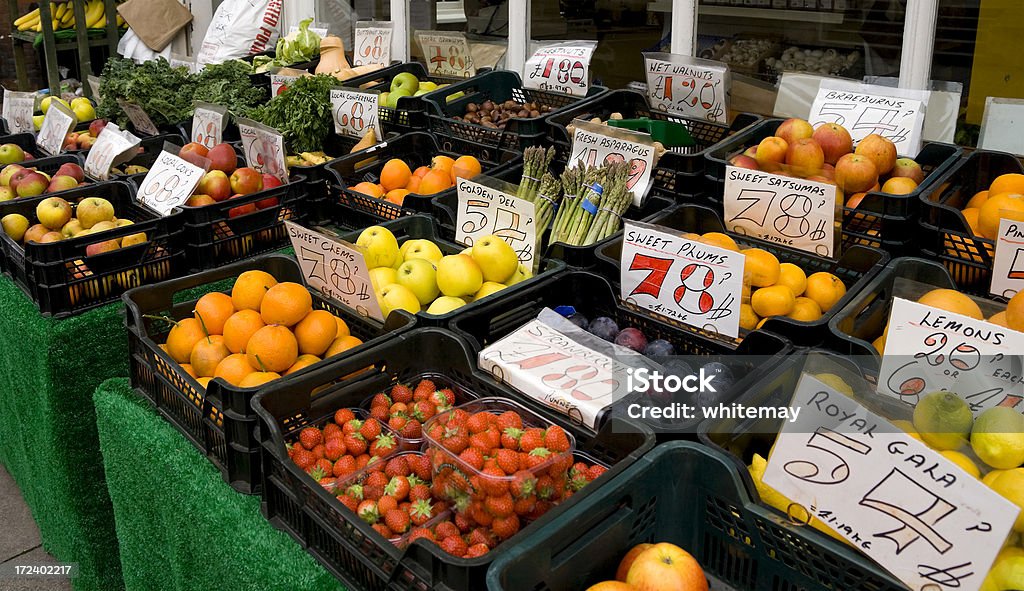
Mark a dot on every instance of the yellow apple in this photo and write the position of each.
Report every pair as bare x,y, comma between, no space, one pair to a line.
379,247
398,297
496,258
53,212
93,210
15,225
133,239
445,304
487,289
382,276
467,251
421,249
420,277
120,223
72,228
459,275
522,274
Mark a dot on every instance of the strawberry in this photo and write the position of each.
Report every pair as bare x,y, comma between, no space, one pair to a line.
505,527
507,460
595,471
524,506
349,501
473,458
531,439
334,449
401,393
318,451
398,487
386,503
423,390
381,413
494,481
540,509
331,430
480,515
383,530
376,479
463,523
523,484
536,457
352,427
443,398
303,458
480,441
509,419
325,466
420,533
398,422
344,466
380,399
343,415
413,429
510,437
545,488
454,440
476,550
556,439
446,529
399,408
500,506
383,445
420,466
479,421
455,546
354,443
482,535
362,460
423,411
373,491
578,476
370,429
419,492
355,491
367,511
310,437
398,466
457,418
421,512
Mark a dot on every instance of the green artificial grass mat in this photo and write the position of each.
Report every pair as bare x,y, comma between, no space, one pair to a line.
179,525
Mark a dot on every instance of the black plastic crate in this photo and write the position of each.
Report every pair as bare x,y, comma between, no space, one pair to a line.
880,220
691,496
219,421
680,171
856,267
593,296
498,86
63,280
342,542
947,236
410,111
416,149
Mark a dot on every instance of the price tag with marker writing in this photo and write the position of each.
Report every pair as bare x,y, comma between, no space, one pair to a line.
910,509
785,210
143,124
690,86
95,83
18,109
208,124
684,280
1008,267
336,268
485,210
447,53
57,124
264,148
355,112
594,144
561,67
170,182
280,79
865,109
372,43
114,146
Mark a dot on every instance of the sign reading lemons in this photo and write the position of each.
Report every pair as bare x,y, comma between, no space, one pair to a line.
909,508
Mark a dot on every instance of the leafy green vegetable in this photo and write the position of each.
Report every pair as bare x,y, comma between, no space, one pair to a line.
302,113
301,45
228,85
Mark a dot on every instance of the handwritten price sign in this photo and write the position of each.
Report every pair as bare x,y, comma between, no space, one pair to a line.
372,43
264,148
927,349
355,112
901,120
690,86
693,283
447,53
169,183
563,67
57,124
1008,267
112,147
17,110
784,210
910,509
208,124
484,210
594,144
336,268
143,124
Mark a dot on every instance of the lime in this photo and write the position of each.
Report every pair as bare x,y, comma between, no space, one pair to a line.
1010,484
835,382
944,420
998,437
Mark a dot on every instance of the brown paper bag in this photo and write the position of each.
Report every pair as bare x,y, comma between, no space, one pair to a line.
156,22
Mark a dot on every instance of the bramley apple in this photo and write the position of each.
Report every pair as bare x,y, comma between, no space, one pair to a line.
53,212
15,225
420,277
398,297
380,248
459,275
496,258
93,210
421,249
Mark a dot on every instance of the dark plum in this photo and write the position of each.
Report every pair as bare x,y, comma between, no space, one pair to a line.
579,320
604,327
659,348
723,378
632,338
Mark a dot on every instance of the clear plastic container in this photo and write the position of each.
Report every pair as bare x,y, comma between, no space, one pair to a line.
441,382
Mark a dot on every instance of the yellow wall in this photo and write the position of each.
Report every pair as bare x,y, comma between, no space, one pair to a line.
998,61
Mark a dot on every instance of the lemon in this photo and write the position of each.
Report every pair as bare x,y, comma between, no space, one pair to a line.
991,477
835,382
944,420
773,498
998,437
1010,484
1007,570
962,461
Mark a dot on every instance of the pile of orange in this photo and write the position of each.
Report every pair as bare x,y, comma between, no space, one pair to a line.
397,179
260,332
1004,198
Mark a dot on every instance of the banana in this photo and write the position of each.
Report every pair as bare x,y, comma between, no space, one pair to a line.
94,13
120,21
61,10
68,20
27,18
30,25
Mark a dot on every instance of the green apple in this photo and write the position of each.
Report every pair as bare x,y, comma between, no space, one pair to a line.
522,274
421,249
459,275
44,105
11,153
487,289
405,81
93,210
496,258
394,95
53,212
421,92
445,304
37,121
398,297
379,247
83,109
14,225
428,86
455,96
382,276
420,277
382,100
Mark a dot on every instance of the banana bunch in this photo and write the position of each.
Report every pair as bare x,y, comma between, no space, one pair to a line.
62,16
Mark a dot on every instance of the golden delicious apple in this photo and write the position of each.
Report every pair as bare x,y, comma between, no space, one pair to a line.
421,249
497,259
459,275
53,212
398,297
93,210
420,277
445,304
379,247
382,276
487,289
522,274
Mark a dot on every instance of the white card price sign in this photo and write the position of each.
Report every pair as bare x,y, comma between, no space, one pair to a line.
690,86
561,67
1008,268
264,148
447,53
697,284
784,210
208,124
57,124
143,124
17,110
169,183
336,268
899,119
372,43
484,210
355,112
594,144
321,31
911,510
927,349
112,147
95,83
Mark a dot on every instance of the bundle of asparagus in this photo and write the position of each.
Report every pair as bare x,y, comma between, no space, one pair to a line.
616,201
595,212
535,163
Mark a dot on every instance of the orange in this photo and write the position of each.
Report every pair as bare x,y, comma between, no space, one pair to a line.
316,332
972,215
187,367
397,196
372,189
1015,312
434,182
825,289
1007,183
204,381
805,310
899,185
342,344
233,369
748,318
249,288
240,327
395,174
776,300
720,240
999,319
207,354
442,163
793,277
953,301
286,304
421,172
302,362
760,267
978,200
999,206
183,336
272,348
465,167
414,183
213,310
258,378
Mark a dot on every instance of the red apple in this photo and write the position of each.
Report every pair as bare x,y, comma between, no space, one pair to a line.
9,171
794,129
880,150
31,184
751,152
194,153
268,203
771,152
805,156
834,140
628,559
215,184
101,247
72,170
97,126
246,181
905,167
666,566
61,183
222,157
51,236
744,161
86,143
35,233
200,200
248,208
270,181
856,173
